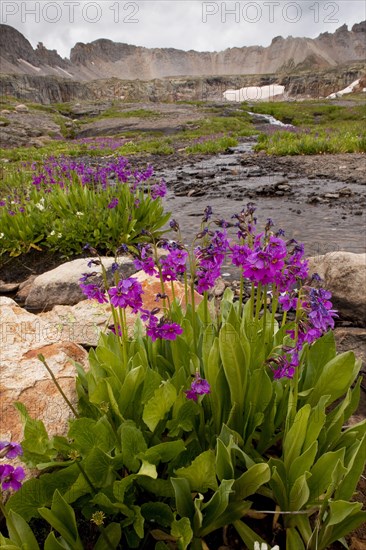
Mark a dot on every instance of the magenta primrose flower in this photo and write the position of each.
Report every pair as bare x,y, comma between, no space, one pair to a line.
128,292
11,477
94,292
9,449
199,386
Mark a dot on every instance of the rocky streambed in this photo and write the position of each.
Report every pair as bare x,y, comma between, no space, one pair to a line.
319,200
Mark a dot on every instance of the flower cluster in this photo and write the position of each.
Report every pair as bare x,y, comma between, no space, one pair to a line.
209,261
10,477
199,386
128,292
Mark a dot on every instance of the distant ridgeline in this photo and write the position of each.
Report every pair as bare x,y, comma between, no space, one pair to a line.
105,69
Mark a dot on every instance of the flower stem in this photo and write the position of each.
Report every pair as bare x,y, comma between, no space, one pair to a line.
72,408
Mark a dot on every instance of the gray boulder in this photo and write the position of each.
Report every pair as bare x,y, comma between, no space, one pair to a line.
344,274
60,286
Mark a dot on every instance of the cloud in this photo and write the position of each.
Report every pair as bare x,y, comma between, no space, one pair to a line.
183,24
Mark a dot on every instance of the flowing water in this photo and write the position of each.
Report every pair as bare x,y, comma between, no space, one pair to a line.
227,185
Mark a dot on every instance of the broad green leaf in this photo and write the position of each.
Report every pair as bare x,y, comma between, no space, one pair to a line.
355,467
164,452
299,493
335,378
234,363
121,486
201,474
183,497
321,473
247,535
302,463
52,543
224,465
319,354
182,530
147,469
315,423
159,405
293,539
157,513
249,482
132,443
217,505
62,518
130,385
296,435
20,532
114,533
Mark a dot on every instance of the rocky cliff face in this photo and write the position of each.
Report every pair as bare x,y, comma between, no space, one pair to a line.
103,59
50,89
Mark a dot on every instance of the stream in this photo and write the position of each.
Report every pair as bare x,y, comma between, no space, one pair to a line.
326,215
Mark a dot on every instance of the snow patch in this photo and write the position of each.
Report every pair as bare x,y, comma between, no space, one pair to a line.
29,64
254,93
347,90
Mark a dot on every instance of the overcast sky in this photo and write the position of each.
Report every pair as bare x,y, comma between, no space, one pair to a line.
183,24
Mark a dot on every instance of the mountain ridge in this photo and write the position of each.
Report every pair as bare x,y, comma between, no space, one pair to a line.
104,58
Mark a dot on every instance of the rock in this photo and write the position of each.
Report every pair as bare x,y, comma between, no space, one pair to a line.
21,108
5,112
344,274
23,377
82,323
7,288
345,191
24,289
331,196
60,286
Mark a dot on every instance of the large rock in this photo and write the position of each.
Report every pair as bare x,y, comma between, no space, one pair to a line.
82,323
60,286
24,378
344,274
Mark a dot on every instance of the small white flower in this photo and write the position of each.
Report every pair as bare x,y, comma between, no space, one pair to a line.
264,546
2,235
52,233
39,206
59,235
79,214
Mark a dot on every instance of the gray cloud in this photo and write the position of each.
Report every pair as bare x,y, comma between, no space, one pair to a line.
183,24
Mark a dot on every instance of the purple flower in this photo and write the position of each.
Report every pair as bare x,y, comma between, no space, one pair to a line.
94,292
158,190
128,292
113,203
2,203
10,450
173,264
287,302
199,386
163,330
11,477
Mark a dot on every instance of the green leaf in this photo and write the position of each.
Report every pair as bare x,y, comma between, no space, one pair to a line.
299,493
293,539
181,529
133,443
157,513
164,452
319,354
52,543
321,473
148,469
355,467
216,506
183,497
62,518
224,465
343,518
201,474
302,463
234,363
335,378
20,532
114,533
120,487
249,482
247,535
159,405
296,435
